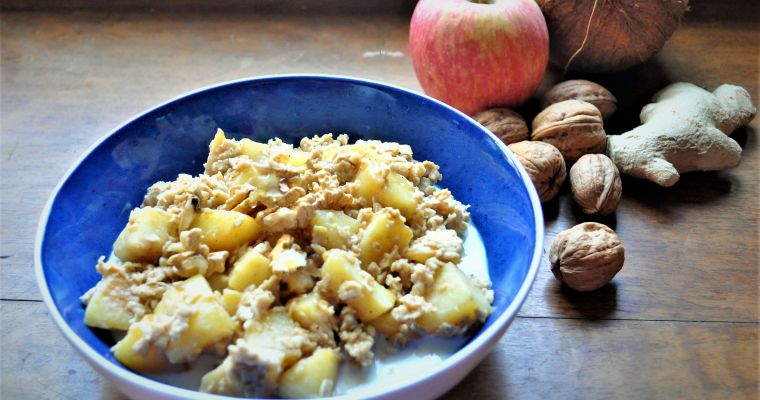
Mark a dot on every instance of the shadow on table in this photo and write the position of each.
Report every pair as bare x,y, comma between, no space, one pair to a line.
594,305
489,380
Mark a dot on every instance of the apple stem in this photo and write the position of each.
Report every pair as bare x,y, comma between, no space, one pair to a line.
481,1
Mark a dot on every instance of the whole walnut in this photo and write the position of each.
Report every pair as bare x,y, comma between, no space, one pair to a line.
544,164
595,183
581,89
586,256
506,124
573,126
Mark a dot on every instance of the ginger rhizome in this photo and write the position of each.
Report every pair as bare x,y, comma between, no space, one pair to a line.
686,128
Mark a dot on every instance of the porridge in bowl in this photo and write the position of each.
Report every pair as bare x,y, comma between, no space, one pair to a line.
285,262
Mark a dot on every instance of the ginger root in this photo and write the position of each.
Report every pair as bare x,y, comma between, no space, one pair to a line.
685,129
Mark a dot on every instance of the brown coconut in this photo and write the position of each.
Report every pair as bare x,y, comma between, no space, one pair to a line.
608,35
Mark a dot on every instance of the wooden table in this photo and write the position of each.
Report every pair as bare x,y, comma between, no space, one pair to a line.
679,321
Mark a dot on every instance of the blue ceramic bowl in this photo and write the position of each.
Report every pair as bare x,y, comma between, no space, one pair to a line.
92,202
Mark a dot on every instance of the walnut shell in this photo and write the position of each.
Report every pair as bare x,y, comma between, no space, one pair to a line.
544,164
506,124
581,89
586,256
573,126
595,183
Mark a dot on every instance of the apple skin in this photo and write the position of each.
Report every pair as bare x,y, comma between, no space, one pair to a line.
475,56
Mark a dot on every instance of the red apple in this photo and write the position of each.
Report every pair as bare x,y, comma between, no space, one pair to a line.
480,53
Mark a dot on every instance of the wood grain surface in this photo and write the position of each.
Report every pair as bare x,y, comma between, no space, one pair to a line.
679,321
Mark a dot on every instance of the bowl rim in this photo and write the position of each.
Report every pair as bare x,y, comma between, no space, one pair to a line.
480,345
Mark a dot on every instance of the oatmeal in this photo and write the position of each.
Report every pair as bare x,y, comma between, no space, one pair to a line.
287,262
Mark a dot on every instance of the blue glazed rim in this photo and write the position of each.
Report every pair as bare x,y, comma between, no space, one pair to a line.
484,341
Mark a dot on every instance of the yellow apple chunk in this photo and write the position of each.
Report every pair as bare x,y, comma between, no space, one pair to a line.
271,338
333,229
390,189
217,381
217,141
455,300
270,332
372,299
142,240
299,281
386,325
264,182
385,231
296,158
107,308
251,268
151,360
231,300
399,194
219,282
254,150
361,148
313,376
225,230
370,180
208,322
311,309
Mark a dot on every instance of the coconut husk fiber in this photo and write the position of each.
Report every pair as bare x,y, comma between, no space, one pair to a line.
608,35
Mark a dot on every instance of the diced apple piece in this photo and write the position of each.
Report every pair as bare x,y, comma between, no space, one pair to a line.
215,381
456,301
296,158
313,376
183,292
151,360
389,189
444,243
225,230
243,376
362,148
385,231
332,229
267,183
254,150
398,193
299,281
217,141
274,341
219,282
208,322
372,300
289,259
107,307
369,180
264,181
231,300
221,148
142,240
311,309
251,268
386,324
270,332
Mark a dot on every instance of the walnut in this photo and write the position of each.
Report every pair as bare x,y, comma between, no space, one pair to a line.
595,183
506,124
572,126
580,89
586,256
544,164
